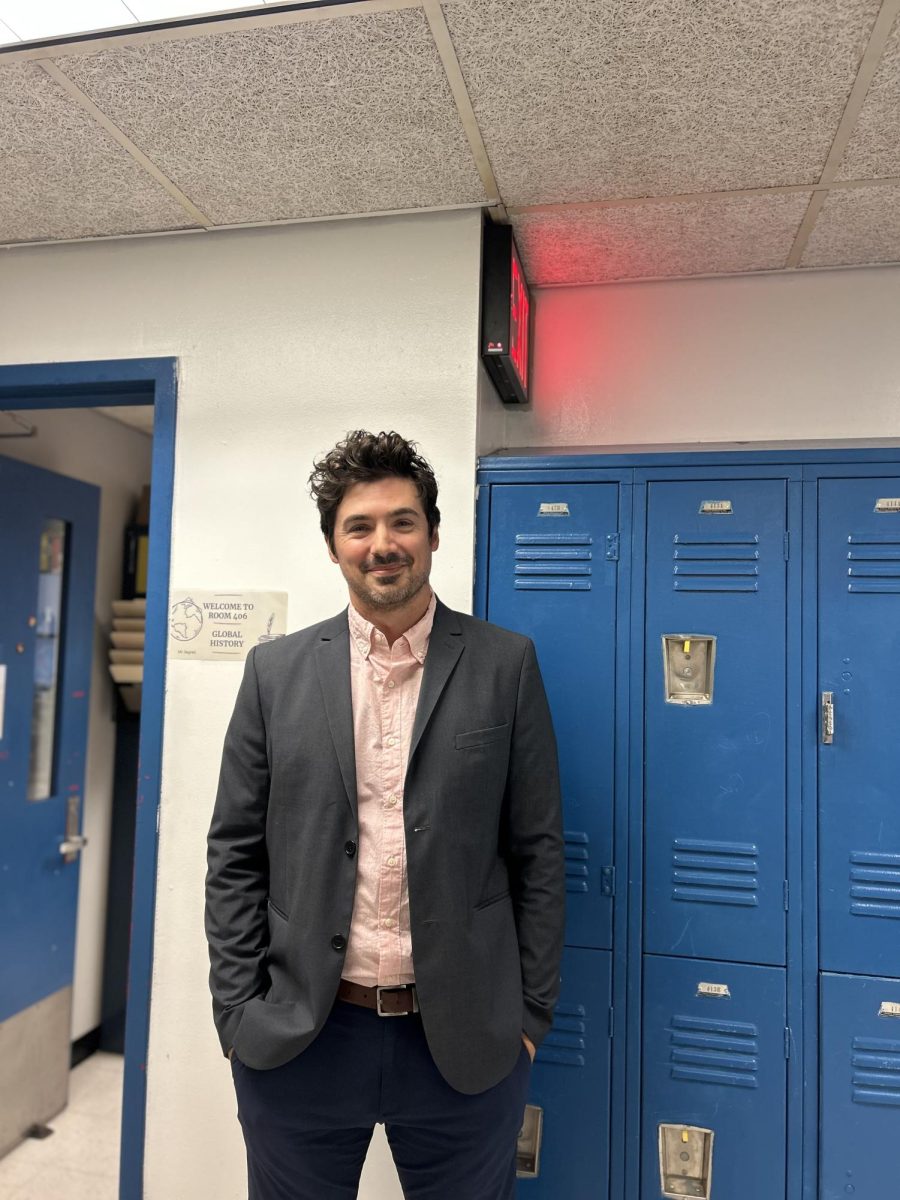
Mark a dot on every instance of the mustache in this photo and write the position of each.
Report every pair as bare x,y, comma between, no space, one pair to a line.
391,560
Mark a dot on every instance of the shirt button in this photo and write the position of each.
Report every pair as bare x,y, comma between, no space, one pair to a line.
392,741
392,861
388,922
349,849
391,801
339,941
391,683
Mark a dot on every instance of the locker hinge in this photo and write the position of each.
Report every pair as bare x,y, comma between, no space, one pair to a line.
608,881
612,547
787,1041
612,1021
787,546
787,895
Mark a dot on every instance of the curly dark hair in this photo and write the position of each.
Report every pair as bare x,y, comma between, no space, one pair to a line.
364,457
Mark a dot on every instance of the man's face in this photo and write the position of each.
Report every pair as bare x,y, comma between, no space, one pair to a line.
382,544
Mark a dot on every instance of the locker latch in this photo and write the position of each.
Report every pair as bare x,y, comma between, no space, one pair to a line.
528,1144
685,1161
827,718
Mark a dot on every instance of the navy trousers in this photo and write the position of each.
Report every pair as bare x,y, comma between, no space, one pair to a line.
307,1125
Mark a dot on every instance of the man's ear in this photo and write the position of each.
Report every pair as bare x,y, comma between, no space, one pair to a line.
435,538
331,553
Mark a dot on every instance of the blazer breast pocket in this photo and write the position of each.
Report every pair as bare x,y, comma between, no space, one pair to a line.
482,737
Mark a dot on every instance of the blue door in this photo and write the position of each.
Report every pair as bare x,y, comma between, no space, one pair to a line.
714,1060
715,811
860,1089
570,1086
552,575
48,542
859,761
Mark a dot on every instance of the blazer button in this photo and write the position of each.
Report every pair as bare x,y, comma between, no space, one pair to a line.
339,941
349,849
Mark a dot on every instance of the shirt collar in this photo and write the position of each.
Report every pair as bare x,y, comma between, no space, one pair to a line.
363,632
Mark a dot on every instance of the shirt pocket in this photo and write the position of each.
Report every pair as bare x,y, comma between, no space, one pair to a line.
482,737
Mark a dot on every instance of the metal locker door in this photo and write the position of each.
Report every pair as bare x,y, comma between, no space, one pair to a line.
552,576
714,1081
715,763
860,1089
569,1094
859,750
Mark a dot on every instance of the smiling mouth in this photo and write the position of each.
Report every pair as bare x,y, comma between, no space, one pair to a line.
389,569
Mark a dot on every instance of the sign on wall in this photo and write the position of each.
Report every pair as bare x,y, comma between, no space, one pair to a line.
220,626
505,314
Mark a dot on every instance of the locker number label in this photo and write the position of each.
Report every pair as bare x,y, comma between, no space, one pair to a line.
713,989
716,508
889,1009
888,504
553,510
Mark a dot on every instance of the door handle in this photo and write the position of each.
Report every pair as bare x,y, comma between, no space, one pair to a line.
72,847
827,718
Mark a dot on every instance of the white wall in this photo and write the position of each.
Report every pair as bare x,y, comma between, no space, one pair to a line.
286,338
791,356
95,449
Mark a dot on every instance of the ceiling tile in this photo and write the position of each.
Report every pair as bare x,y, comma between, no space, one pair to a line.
61,176
350,115
855,226
874,149
54,18
639,241
592,99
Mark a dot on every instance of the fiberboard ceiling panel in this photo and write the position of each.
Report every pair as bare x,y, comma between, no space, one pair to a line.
595,99
350,115
874,148
856,225
639,241
61,176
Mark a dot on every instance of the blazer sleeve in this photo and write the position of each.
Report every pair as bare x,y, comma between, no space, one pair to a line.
237,879
536,857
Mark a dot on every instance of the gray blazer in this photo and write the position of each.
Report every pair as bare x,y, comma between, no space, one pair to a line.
484,847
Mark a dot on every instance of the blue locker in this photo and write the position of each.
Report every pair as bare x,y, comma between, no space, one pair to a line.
570,1085
552,575
859,655
860,1091
714,1038
715,803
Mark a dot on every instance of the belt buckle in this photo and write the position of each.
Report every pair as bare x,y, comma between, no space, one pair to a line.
400,987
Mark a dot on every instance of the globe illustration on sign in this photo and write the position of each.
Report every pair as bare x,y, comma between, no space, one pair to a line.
185,620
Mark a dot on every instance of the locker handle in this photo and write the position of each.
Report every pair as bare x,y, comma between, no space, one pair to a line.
827,718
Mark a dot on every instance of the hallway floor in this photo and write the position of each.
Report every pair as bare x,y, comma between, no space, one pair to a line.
80,1161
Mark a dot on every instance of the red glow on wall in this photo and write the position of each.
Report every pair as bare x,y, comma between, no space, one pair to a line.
519,320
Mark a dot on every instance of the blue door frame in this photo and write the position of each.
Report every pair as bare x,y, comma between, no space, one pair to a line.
113,383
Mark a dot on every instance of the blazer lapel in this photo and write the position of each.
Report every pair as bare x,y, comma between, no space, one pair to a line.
333,666
444,648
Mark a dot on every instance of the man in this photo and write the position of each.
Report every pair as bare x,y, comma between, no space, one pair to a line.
386,876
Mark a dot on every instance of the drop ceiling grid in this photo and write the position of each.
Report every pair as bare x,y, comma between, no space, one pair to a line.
327,118
61,176
713,237
580,100
856,226
874,148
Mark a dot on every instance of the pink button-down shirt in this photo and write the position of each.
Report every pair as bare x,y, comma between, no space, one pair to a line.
384,683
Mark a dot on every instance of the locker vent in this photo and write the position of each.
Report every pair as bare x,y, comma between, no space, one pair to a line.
874,884
553,562
577,854
709,1051
715,872
712,562
566,1043
876,1071
874,562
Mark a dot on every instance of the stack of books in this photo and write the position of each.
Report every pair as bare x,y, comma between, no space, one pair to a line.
126,655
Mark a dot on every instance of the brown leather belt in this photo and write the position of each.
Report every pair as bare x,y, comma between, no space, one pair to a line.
387,1001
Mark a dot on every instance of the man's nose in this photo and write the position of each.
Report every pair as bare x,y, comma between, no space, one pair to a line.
382,540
